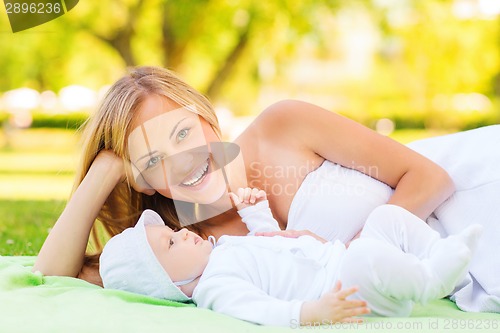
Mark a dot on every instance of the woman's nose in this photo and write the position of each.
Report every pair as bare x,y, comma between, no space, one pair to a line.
178,167
181,162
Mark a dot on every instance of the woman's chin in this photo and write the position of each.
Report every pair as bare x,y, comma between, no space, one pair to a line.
209,196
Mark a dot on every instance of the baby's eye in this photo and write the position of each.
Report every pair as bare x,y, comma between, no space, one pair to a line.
182,134
171,242
153,161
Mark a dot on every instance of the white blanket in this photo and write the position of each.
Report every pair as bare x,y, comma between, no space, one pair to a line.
472,159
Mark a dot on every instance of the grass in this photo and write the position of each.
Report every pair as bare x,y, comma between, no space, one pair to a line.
25,224
36,174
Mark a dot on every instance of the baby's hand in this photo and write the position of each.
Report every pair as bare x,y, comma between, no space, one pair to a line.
334,307
247,197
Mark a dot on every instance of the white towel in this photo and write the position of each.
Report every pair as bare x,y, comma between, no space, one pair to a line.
472,158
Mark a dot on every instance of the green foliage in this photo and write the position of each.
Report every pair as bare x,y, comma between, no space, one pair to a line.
454,121
66,121
71,121
4,116
382,59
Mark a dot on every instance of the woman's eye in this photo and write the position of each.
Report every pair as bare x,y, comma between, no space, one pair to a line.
153,161
182,134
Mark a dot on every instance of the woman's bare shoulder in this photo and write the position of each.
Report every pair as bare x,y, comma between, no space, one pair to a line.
274,136
281,120
285,111
278,135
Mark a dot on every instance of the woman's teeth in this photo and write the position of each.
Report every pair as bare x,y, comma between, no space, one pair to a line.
198,176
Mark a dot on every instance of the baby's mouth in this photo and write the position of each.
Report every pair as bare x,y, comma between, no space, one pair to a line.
197,176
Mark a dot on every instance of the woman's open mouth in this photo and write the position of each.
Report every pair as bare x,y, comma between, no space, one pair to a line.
197,176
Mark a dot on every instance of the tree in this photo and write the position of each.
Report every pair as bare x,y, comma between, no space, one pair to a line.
214,29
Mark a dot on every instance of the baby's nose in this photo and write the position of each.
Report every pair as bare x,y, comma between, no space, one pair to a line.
183,233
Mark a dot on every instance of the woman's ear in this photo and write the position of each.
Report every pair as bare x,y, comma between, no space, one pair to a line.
136,180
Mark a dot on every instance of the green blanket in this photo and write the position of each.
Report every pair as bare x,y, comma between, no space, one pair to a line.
35,303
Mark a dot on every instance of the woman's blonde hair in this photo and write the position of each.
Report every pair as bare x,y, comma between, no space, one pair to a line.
108,129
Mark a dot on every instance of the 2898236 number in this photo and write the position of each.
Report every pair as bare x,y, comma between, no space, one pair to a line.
33,8
471,324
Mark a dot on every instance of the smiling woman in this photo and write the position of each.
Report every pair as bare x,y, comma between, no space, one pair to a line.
154,143
135,118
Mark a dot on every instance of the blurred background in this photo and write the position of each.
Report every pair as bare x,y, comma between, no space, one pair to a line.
406,68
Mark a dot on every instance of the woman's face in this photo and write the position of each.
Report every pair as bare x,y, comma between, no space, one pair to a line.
169,149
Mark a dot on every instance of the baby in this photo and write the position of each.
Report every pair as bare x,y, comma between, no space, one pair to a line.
397,260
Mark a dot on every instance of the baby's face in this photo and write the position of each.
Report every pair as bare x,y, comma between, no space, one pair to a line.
183,254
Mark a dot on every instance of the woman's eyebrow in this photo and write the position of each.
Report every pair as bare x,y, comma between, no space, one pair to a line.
170,137
175,127
147,155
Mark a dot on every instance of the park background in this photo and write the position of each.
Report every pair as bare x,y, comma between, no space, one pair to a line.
406,68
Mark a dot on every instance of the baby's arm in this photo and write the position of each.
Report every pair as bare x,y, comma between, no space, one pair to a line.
238,298
254,210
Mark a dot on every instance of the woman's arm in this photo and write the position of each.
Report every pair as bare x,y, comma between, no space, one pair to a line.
420,184
64,249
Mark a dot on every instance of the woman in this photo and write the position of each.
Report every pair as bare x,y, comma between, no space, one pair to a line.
133,160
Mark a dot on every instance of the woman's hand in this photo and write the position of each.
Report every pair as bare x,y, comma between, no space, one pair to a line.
333,307
291,234
110,162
